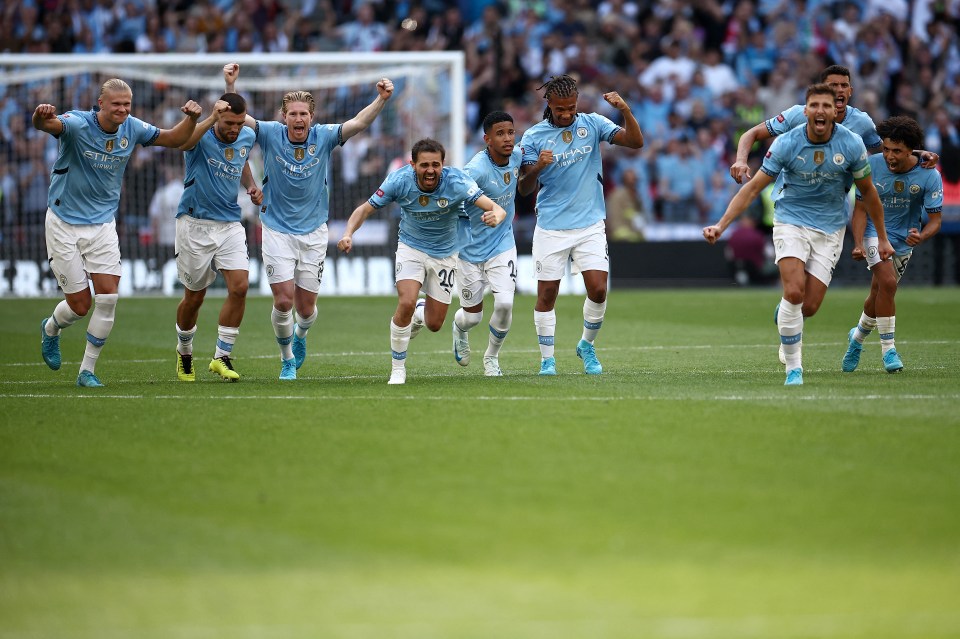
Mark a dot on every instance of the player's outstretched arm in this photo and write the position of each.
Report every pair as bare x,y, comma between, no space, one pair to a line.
631,136
739,170
177,136
45,119
203,126
231,72
871,202
493,213
356,220
369,113
747,194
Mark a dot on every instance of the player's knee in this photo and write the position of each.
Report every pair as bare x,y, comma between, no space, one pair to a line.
810,308
887,285
405,308
81,307
598,295
283,303
433,325
239,289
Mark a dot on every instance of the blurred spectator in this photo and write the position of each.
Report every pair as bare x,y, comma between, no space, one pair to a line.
365,34
746,253
626,216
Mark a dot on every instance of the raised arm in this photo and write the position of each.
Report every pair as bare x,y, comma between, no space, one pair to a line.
45,119
231,71
747,194
177,136
740,171
874,208
370,112
204,126
630,136
356,220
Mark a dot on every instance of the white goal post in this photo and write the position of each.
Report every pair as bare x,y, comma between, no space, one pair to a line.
429,101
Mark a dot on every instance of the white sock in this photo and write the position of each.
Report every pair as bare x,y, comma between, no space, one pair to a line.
546,324
790,326
226,338
185,340
98,330
303,324
886,327
592,318
399,342
500,322
283,328
464,321
864,327
63,316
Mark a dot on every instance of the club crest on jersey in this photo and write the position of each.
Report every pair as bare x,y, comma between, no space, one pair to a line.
898,186
914,188
443,202
567,137
228,153
506,178
818,157
243,151
423,199
299,153
124,143
838,159
581,132
312,149
109,146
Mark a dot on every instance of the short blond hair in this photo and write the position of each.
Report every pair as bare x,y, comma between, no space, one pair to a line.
298,96
115,84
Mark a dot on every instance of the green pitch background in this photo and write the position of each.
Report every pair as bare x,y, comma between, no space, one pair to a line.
685,494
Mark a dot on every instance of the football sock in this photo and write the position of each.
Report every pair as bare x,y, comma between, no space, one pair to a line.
226,338
98,330
864,327
399,342
283,328
185,340
63,316
303,324
886,326
592,318
546,324
500,322
790,326
464,321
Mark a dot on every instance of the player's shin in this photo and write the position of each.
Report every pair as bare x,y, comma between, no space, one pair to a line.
790,327
98,330
592,318
546,323
283,329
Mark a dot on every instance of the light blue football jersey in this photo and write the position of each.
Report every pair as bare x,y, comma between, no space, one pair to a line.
428,220
295,195
905,196
855,120
571,189
212,177
499,183
88,173
815,177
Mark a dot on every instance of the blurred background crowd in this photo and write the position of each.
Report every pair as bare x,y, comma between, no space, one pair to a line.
697,73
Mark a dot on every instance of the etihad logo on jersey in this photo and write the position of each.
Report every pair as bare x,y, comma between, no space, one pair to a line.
423,200
566,155
103,160
300,170
567,137
230,170
898,186
819,157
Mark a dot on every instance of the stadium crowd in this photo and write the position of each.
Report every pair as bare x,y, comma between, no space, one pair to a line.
696,74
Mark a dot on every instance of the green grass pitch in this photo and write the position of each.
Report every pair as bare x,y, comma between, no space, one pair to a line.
684,494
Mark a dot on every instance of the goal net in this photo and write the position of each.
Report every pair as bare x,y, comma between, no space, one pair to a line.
428,101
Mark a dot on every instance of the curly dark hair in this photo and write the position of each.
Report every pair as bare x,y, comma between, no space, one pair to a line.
560,86
901,129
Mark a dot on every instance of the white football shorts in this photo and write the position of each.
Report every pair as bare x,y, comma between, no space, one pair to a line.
74,250
499,272
586,248
871,245
295,257
436,275
204,247
818,251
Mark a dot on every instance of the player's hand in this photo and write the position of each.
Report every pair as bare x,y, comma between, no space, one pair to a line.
231,72
613,99
545,159
256,195
712,233
929,159
858,253
885,250
385,88
219,108
913,237
192,109
45,112
345,244
494,217
740,171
